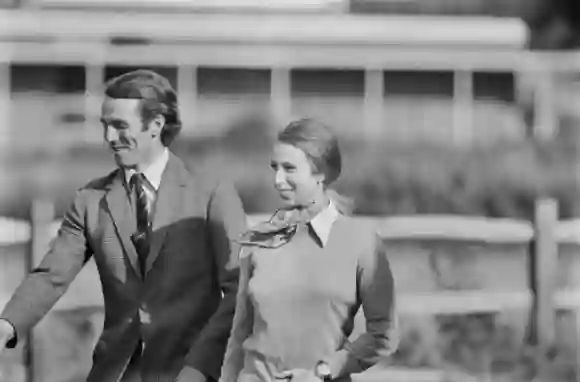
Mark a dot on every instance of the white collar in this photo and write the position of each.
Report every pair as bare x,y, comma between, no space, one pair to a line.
154,171
323,221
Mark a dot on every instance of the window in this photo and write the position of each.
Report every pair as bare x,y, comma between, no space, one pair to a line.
418,105
9,3
334,97
496,86
48,78
230,95
495,115
168,72
48,104
219,81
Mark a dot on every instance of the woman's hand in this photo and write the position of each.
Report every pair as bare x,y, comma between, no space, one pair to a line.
298,375
189,374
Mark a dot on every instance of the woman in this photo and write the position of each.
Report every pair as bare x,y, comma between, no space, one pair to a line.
305,273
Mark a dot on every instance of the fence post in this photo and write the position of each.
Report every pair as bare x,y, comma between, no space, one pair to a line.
374,100
544,261
41,218
545,119
5,106
281,94
94,79
188,97
576,313
462,128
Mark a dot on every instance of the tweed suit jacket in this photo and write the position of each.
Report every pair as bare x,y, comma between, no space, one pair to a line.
180,306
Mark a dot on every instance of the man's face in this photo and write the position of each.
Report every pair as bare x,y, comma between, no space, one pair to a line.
130,140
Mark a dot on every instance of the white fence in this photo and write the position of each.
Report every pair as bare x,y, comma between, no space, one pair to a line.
544,235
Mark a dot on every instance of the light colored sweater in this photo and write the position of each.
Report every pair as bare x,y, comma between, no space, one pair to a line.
296,304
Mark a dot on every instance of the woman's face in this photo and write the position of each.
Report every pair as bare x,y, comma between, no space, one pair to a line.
294,179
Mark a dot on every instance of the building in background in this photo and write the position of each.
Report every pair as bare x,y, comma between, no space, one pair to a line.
443,78
451,72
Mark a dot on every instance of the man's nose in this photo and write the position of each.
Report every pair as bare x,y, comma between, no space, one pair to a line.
111,134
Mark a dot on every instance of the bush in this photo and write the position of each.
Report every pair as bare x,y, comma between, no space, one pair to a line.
477,345
501,181
383,178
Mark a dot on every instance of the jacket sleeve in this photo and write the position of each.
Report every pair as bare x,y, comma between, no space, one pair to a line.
227,220
38,293
242,326
376,292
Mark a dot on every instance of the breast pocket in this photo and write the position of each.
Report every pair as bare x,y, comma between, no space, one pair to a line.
109,253
110,245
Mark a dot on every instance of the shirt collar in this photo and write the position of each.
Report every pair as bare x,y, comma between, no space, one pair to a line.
154,171
322,223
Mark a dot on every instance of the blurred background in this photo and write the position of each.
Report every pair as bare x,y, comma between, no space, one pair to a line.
458,122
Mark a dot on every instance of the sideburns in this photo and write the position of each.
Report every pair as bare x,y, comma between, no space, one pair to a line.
144,125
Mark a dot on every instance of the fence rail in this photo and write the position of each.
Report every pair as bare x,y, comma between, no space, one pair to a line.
415,227
543,235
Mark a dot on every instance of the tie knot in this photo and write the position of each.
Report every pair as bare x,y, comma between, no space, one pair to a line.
137,180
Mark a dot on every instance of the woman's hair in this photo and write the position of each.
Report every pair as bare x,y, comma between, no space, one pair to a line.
321,147
156,94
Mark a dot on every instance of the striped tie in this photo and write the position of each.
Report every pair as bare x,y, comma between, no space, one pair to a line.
141,238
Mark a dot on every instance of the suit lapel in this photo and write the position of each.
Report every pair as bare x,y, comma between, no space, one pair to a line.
121,213
167,205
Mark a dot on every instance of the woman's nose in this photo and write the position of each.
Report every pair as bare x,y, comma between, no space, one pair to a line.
280,178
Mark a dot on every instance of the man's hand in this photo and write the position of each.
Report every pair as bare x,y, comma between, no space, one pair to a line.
189,374
298,375
6,333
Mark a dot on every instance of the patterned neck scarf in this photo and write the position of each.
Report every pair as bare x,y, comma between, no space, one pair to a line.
278,230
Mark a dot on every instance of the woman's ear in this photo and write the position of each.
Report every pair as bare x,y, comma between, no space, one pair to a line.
156,125
319,178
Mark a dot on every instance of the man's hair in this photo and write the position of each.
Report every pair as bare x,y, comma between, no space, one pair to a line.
157,98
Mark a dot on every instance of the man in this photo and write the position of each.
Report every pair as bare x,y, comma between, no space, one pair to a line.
161,237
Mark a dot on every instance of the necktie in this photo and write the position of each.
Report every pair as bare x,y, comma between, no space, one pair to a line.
141,237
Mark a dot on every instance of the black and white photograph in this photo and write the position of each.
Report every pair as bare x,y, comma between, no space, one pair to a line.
289,191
